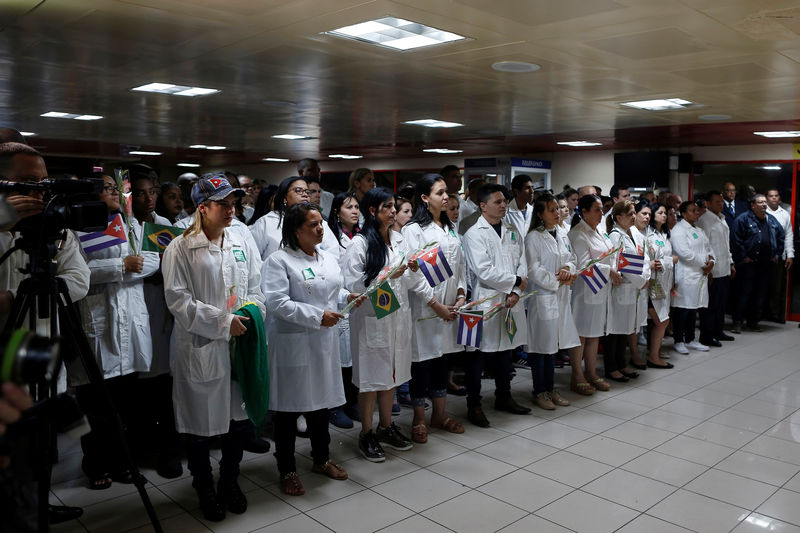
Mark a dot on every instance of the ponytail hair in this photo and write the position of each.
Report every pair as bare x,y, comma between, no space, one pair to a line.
539,206
619,208
584,204
422,214
376,246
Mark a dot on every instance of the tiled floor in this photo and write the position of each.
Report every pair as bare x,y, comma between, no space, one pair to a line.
711,446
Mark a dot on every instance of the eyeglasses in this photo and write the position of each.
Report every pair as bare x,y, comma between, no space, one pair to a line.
110,188
301,191
146,192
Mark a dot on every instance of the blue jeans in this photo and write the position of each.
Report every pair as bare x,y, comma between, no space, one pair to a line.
543,371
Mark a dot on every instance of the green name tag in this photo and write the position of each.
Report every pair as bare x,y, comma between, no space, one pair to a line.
308,274
452,233
239,255
695,235
569,248
513,236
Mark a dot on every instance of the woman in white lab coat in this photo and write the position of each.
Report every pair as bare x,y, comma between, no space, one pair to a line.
695,261
303,293
381,348
433,338
627,302
209,271
551,271
659,248
117,325
343,224
590,309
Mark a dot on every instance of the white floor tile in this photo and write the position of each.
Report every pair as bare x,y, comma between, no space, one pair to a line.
320,490
765,408
629,489
583,512
569,468
648,524
658,418
473,436
555,434
472,469
759,523
526,490
362,512
639,435
294,524
719,434
370,474
645,398
698,513
783,506
665,468
785,430
714,397
730,488
606,450
262,509
590,421
128,510
691,408
534,523
779,449
415,523
757,467
697,451
474,512
516,450
742,420
420,490
433,451
618,408
182,523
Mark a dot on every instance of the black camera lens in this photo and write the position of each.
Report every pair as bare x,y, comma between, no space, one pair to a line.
27,357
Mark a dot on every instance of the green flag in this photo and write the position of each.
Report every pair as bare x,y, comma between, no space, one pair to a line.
157,237
511,326
384,301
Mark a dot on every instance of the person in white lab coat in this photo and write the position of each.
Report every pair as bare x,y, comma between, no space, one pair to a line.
433,338
590,309
208,272
381,349
551,271
564,212
496,258
627,302
343,223
659,249
303,293
519,209
775,304
695,262
468,210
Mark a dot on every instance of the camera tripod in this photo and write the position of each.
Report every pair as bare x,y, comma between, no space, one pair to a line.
42,295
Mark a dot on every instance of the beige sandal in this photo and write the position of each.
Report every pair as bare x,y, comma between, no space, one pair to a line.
419,433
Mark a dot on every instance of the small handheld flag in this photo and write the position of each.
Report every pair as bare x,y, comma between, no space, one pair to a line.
157,237
470,328
511,326
594,279
630,263
384,301
113,235
434,266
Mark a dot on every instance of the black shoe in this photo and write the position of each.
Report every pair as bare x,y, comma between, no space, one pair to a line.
665,365
370,448
510,405
639,367
257,445
477,417
169,468
211,506
711,342
520,362
726,337
754,327
232,496
621,379
736,328
58,514
393,438
630,375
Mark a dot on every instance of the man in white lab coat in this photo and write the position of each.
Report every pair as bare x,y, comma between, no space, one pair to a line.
519,211
496,257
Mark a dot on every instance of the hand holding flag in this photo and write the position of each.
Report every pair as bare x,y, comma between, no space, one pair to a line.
391,271
126,204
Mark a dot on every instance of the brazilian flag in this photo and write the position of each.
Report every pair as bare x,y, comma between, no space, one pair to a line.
157,237
511,326
384,301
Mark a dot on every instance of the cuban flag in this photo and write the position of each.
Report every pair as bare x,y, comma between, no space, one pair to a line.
470,328
113,235
594,278
434,266
630,263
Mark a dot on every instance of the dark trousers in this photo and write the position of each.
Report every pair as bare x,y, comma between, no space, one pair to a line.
350,390
500,362
285,432
753,286
776,306
712,318
614,352
543,371
155,426
198,449
428,378
683,324
101,449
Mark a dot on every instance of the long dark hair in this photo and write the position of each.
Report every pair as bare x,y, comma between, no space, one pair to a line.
422,214
584,204
262,203
333,218
161,207
619,208
279,204
376,245
293,219
665,227
539,205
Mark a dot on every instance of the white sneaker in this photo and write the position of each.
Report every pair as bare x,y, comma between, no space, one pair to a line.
695,345
302,425
680,348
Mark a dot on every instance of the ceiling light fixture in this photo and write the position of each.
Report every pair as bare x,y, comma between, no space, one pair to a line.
433,123
777,134
395,33
442,151
207,147
345,156
216,147
515,66
660,105
74,116
197,146
178,90
276,159
27,133
292,137
579,144
771,167
143,152
189,165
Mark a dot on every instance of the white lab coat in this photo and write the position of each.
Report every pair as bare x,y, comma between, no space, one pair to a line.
589,309
199,278
719,238
432,338
627,302
161,320
659,247
466,208
550,323
518,218
304,367
381,348
690,244
495,262
343,326
783,216
114,313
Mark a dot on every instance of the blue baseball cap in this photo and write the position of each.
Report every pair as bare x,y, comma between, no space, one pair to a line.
213,187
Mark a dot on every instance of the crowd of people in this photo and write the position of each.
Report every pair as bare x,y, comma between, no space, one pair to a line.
348,312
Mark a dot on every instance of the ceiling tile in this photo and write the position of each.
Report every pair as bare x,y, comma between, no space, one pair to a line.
650,44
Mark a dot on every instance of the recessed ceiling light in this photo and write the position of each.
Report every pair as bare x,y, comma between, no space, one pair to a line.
714,117
292,137
777,134
216,147
75,116
432,123
442,151
771,167
395,33
197,146
88,117
27,133
143,152
660,105
578,143
515,66
179,90
189,165
345,156
276,159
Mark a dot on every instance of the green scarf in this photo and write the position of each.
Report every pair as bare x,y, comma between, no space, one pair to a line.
250,364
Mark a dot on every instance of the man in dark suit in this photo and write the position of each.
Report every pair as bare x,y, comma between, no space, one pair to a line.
733,207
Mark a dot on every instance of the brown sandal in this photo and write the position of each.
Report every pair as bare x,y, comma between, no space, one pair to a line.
451,425
581,387
330,469
600,384
419,433
291,485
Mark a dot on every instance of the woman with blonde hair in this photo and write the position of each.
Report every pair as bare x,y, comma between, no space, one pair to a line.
361,181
